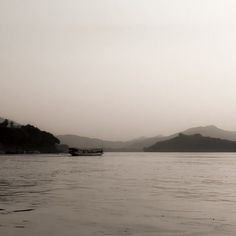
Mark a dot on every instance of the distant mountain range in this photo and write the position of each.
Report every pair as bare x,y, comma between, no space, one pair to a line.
135,145
138,145
193,143
125,146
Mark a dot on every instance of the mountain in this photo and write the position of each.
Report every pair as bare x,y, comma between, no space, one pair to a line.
85,142
212,131
193,143
137,145
208,131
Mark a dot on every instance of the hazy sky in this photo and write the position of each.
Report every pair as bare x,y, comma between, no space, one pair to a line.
118,69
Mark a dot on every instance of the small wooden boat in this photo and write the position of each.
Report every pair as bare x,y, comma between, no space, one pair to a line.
85,152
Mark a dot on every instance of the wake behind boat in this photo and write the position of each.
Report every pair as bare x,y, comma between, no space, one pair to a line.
85,152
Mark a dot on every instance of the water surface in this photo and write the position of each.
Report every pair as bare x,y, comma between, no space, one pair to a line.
117,194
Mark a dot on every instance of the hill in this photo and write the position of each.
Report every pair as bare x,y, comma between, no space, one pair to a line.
137,145
212,131
193,143
25,138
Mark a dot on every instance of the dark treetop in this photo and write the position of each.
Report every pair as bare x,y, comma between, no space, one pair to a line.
19,139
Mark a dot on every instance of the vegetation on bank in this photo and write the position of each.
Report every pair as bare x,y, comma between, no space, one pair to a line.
26,138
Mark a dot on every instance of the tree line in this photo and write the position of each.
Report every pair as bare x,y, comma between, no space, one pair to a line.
15,138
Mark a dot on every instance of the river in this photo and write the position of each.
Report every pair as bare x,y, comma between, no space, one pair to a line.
139,194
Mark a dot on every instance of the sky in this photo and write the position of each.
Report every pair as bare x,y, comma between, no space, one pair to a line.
118,69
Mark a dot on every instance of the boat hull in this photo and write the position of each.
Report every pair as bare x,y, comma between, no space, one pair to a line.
85,152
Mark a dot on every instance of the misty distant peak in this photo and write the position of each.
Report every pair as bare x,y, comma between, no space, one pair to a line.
204,127
212,131
210,127
207,127
141,142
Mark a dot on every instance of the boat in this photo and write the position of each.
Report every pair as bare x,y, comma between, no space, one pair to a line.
85,152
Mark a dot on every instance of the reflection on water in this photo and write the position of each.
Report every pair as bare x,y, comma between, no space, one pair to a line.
118,194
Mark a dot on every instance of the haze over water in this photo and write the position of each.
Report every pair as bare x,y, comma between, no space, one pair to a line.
118,194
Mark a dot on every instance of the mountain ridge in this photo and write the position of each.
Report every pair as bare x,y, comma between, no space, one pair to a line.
193,143
139,144
86,142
